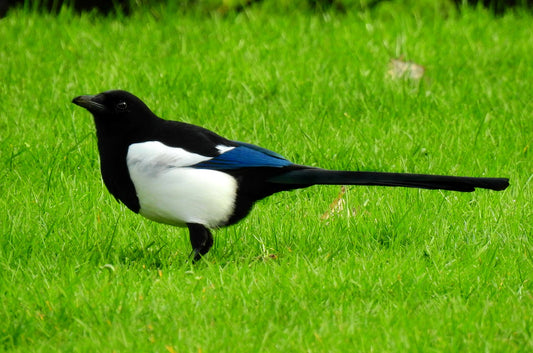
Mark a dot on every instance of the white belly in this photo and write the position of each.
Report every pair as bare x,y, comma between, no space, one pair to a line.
174,194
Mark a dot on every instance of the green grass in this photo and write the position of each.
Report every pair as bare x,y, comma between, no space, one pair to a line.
397,270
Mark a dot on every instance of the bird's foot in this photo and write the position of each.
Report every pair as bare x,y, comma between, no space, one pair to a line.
201,241
195,255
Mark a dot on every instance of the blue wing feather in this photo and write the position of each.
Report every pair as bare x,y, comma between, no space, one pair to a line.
245,156
260,149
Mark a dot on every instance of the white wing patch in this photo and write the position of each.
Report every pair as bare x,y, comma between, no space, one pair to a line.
156,156
170,192
223,149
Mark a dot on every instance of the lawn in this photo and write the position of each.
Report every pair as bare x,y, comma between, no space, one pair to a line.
383,270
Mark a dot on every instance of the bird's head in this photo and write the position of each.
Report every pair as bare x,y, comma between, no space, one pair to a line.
114,107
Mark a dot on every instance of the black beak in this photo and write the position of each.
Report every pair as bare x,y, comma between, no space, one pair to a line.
88,103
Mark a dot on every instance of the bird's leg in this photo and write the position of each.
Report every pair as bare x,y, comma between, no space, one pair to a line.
201,240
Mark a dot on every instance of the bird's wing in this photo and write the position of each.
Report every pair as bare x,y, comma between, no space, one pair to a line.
244,155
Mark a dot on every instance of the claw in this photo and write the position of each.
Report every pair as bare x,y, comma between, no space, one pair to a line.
195,255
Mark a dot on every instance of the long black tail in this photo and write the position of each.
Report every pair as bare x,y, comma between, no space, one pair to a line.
314,176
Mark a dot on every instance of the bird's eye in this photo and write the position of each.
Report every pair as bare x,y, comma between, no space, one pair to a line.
122,106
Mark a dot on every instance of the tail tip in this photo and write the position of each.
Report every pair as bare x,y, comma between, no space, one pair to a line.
502,185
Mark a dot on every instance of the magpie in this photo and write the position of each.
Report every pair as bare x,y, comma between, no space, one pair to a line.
185,175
